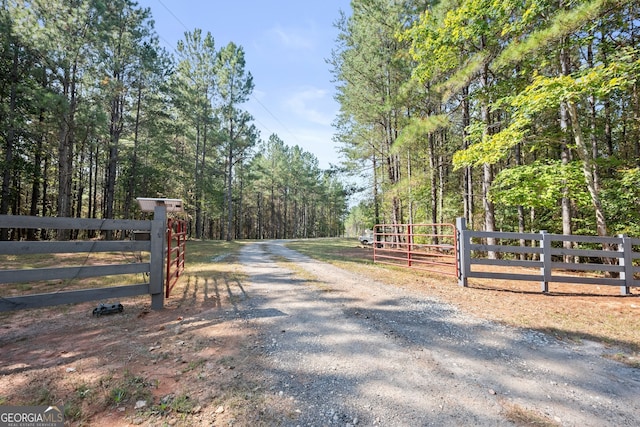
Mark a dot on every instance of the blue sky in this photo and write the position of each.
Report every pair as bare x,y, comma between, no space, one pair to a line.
286,43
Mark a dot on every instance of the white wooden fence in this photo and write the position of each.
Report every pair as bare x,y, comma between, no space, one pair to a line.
546,253
153,269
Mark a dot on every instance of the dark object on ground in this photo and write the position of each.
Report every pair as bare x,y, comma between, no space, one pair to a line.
107,309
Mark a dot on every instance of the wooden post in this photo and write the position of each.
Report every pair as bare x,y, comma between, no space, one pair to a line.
545,257
158,244
464,254
626,261
409,243
167,276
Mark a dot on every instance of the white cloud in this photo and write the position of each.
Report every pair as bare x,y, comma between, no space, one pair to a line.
305,102
294,38
317,141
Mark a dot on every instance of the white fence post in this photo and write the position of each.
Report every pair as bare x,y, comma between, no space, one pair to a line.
545,257
626,261
158,244
464,254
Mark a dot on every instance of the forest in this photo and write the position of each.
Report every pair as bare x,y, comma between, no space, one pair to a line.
94,113
519,115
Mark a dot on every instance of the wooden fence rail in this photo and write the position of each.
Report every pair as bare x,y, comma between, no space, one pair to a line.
613,262
154,268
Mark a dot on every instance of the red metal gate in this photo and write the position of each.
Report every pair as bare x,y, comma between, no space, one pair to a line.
176,244
428,247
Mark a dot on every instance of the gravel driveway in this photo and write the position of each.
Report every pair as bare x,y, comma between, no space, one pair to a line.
341,349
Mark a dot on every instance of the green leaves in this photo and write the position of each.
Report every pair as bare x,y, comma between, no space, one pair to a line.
543,94
418,129
235,84
539,185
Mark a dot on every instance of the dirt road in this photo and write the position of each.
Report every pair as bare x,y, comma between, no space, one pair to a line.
338,349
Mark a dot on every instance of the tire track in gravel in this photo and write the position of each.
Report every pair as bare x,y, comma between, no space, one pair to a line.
347,350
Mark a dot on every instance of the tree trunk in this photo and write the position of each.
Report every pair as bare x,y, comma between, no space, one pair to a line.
230,182
197,182
521,224
44,234
37,178
467,184
487,170
433,184
133,170
565,69
410,207
589,169
489,215
635,132
65,148
115,130
441,180
9,145
79,193
376,196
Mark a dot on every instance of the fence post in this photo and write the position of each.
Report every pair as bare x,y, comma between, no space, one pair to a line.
626,261
167,275
545,257
409,243
158,243
374,231
464,254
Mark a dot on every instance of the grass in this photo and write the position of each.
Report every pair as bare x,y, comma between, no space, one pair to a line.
334,250
195,364
199,260
28,262
182,404
125,389
526,417
207,258
201,253
629,360
109,391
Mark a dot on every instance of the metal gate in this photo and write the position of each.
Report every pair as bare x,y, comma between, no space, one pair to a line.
176,244
428,247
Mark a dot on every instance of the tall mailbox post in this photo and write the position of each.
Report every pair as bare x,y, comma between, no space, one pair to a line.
160,207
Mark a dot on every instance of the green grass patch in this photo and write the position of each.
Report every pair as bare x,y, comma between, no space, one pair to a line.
205,252
334,249
183,404
200,257
215,263
28,262
125,389
195,364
